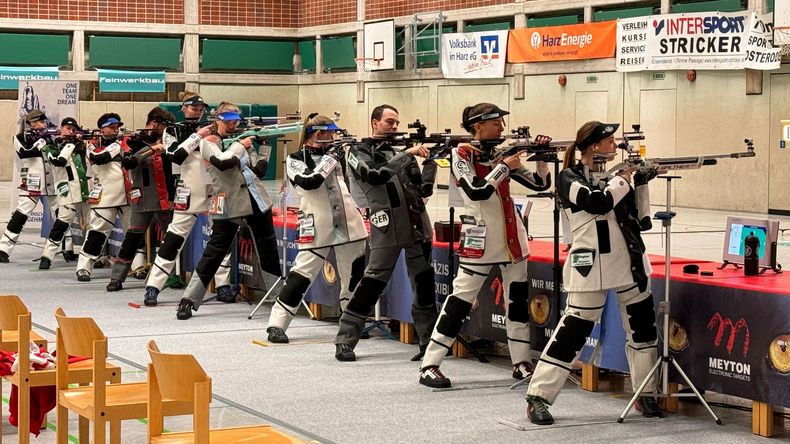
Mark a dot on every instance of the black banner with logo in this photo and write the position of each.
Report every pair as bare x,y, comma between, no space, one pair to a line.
731,340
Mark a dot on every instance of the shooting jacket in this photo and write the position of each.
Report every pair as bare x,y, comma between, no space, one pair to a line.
489,211
36,178
195,180
392,183
69,170
326,210
607,250
153,185
232,180
111,183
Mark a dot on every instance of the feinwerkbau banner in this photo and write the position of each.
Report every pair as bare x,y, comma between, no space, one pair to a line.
705,40
131,81
10,76
474,55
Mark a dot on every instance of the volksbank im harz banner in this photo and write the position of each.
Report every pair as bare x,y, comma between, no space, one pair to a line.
467,55
707,40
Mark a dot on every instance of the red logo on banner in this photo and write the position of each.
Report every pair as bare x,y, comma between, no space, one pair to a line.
723,323
245,248
497,290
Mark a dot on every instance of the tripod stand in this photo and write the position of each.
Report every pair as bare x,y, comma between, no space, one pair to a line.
663,361
283,195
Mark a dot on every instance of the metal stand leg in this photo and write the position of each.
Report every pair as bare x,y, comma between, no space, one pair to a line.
376,323
663,361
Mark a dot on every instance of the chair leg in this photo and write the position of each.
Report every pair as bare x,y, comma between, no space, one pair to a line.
62,425
115,432
84,430
23,410
99,431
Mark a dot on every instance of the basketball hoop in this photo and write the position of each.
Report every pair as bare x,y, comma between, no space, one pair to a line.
782,39
364,67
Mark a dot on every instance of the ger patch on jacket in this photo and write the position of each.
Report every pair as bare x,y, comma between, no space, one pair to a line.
582,260
380,219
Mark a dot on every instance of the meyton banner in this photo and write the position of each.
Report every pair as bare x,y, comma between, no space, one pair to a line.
707,40
557,43
480,55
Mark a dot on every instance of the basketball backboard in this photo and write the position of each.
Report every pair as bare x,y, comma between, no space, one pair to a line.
379,41
782,22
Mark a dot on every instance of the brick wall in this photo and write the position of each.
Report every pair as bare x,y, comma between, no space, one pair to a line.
327,12
131,11
380,9
273,13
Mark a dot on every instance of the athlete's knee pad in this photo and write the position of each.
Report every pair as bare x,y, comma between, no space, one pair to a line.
425,289
518,308
366,295
17,222
170,246
94,241
293,290
455,312
357,271
642,320
131,241
570,338
58,230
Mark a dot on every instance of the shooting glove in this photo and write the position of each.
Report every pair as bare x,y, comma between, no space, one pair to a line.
260,168
226,164
642,177
130,162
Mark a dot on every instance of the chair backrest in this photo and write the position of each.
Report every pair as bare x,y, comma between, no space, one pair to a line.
176,375
10,309
78,334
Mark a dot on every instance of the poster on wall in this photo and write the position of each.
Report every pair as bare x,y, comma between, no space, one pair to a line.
57,99
706,40
558,43
474,55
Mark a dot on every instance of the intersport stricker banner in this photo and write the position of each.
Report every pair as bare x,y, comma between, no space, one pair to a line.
558,43
707,40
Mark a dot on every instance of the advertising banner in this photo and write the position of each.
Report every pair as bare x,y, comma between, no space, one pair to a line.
559,43
731,340
131,81
11,75
706,40
474,55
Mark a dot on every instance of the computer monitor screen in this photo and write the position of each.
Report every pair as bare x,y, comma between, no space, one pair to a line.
739,228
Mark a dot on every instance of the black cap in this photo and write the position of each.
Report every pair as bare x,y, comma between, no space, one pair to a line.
70,121
602,131
491,114
194,100
35,116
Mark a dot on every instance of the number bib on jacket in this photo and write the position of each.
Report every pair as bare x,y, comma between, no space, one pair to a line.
181,201
473,242
306,229
217,204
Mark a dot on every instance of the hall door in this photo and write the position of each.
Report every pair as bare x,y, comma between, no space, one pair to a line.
658,117
779,158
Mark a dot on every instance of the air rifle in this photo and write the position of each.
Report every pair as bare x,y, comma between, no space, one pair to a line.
661,165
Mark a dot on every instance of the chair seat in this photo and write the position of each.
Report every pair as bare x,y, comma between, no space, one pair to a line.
79,373
11,339
243,435
123,401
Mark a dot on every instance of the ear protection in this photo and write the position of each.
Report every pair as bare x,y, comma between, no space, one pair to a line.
691,269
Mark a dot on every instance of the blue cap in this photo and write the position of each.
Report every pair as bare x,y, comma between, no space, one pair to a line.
328,127
111,121
229,115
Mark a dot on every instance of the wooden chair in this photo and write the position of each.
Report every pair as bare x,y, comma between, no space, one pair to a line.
99,403
25,378
10,309
181,378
